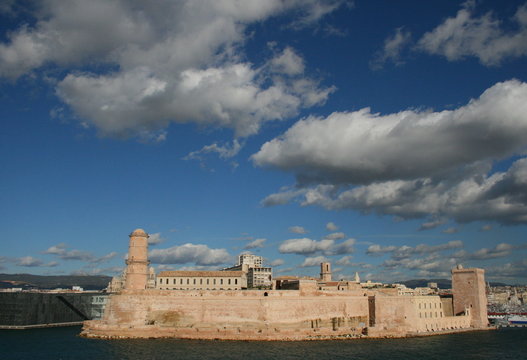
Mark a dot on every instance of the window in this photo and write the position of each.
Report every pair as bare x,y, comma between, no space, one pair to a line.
229,281
207,283
188,281
174,282
181,281
201,281
221,282
214,281
194,281
236,281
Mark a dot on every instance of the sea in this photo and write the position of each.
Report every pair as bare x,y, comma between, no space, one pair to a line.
64,343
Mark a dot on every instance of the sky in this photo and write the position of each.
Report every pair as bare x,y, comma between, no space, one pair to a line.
387,137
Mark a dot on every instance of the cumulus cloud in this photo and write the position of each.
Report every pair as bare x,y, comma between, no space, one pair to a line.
345,247
61,251
450,230
104,258
432,224
257,243
512,271
344,261
154,239
393,46
500,250
166,62
277,262
305,246
190,253
412,163
431,264
225,151
484,37
313,261
486,227
405,251
330,226
297,230
29,261
335,236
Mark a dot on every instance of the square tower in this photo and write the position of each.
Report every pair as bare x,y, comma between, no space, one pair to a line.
468,288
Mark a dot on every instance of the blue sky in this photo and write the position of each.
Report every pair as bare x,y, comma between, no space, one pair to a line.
386,137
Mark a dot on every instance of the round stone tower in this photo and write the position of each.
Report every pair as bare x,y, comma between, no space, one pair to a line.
137,262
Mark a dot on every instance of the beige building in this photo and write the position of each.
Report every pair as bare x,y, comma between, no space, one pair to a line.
201,280
258,276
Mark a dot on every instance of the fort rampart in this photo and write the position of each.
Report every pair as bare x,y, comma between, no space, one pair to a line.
269,315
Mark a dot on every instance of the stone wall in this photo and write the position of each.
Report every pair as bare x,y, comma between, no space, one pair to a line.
268,315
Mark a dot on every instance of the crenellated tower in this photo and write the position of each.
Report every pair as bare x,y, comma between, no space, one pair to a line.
137,262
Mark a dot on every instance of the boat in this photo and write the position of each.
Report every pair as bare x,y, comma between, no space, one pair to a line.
517,320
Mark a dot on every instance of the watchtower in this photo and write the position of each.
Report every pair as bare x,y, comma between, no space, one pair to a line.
468,289
137,262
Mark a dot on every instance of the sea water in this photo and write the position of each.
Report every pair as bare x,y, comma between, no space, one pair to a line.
64,343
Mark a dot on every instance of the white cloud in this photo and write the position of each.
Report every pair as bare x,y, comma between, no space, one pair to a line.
29,261
277,262
297,230
344,261
362,147
288,63
168,62
330,226
190,253
257,243
405,251
305,246
450,230
74,254
482,37
154,239
345,247
313,261
432,224
500,250
335,236
393,46
369,162
105,258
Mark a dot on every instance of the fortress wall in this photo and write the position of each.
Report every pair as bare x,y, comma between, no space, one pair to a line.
406,314
231,315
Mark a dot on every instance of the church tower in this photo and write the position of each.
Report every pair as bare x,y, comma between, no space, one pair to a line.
325,271
137,262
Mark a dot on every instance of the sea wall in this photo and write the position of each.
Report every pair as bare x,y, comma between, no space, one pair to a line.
269,315
272,315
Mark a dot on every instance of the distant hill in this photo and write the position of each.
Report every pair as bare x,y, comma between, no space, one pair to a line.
27,281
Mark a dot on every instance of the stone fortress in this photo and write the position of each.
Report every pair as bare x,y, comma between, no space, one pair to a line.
220,305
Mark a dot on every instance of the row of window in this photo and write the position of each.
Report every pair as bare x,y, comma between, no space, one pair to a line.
200,281
196,289
431,315
430,305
